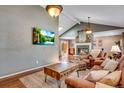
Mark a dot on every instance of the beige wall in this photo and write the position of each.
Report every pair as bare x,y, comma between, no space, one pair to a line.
64,45
107,42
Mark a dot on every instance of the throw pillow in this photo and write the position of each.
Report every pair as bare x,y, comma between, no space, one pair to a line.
95,76
94,53
111,65
81,57
96,67
101,85
105,62
112,79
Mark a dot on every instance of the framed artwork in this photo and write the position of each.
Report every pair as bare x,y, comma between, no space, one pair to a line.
42,37
100,42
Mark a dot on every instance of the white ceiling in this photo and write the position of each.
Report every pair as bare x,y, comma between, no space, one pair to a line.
101,14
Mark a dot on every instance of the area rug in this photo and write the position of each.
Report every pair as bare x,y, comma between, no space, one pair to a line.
37,80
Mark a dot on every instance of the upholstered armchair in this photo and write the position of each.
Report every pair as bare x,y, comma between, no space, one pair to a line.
98,62
94,58
86,59
100,58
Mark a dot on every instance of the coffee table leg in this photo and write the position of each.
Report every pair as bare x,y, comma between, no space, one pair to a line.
59,83
45,77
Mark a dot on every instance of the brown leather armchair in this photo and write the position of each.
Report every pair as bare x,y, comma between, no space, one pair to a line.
100,59
90,61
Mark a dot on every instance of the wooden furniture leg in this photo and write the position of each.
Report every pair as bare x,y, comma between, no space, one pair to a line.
78,73
45,77
59,83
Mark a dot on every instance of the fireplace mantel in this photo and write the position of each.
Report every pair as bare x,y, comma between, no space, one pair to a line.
82,46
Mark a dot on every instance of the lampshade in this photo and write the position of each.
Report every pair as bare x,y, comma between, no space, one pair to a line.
115,48
54,10
88,31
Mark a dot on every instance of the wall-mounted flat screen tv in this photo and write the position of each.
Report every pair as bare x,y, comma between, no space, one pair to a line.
43,37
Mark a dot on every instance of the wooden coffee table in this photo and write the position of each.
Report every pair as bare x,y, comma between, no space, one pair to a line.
59,70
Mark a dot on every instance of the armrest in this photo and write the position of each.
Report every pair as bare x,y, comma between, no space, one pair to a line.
122,77
79,83
91,58
86,60
98,62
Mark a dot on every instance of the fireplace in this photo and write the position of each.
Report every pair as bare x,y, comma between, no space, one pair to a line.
86,47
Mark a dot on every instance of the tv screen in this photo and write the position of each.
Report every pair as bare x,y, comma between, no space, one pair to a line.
43,37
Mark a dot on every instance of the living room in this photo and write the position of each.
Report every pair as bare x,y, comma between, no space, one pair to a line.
34,54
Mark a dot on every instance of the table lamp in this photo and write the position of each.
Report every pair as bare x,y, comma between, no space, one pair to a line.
115,50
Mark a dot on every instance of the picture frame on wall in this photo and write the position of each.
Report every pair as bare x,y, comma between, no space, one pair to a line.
100,43
42,37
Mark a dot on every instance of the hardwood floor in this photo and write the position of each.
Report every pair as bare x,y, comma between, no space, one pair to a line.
37,80
14,82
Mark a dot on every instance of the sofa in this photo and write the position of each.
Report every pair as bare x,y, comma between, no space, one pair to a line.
98,63
83,83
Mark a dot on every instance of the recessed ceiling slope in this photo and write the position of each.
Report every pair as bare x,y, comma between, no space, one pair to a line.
112,15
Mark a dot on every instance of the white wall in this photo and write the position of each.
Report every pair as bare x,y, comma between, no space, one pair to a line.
16,50
108,33
107,42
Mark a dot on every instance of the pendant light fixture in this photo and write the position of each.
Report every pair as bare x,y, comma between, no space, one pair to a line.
88,28
54,10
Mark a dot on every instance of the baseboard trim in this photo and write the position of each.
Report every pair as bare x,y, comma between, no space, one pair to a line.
22,73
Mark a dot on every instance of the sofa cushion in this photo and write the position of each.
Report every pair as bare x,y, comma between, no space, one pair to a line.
81,57
111,65
86,60
96,67
101,85
112,79
79,83
95,76
105,62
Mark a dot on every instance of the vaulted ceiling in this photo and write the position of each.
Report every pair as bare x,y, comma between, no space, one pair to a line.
71,15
